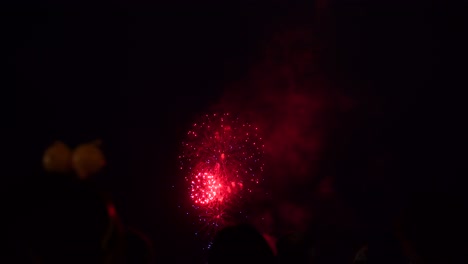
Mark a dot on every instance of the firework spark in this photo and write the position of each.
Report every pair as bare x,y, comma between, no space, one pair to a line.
222,159
206,188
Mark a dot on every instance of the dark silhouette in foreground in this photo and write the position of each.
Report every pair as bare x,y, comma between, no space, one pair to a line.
71,221
434,229
240,244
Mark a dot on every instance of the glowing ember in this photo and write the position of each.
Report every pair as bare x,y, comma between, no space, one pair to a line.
206,188
222,162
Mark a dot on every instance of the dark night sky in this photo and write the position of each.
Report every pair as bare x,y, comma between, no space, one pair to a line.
134,74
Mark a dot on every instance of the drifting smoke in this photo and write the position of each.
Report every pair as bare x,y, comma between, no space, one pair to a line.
288,95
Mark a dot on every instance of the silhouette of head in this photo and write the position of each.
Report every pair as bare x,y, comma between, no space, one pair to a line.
240,244
434,228
138,248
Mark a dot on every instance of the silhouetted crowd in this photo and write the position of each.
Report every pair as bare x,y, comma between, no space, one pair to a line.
77,224
66,220
431,228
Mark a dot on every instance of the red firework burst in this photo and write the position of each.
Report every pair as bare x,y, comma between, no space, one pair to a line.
223,161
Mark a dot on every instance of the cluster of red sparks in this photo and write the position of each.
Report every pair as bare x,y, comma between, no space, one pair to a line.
206,188
222,162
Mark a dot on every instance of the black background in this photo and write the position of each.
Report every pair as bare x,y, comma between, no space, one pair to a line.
134,73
